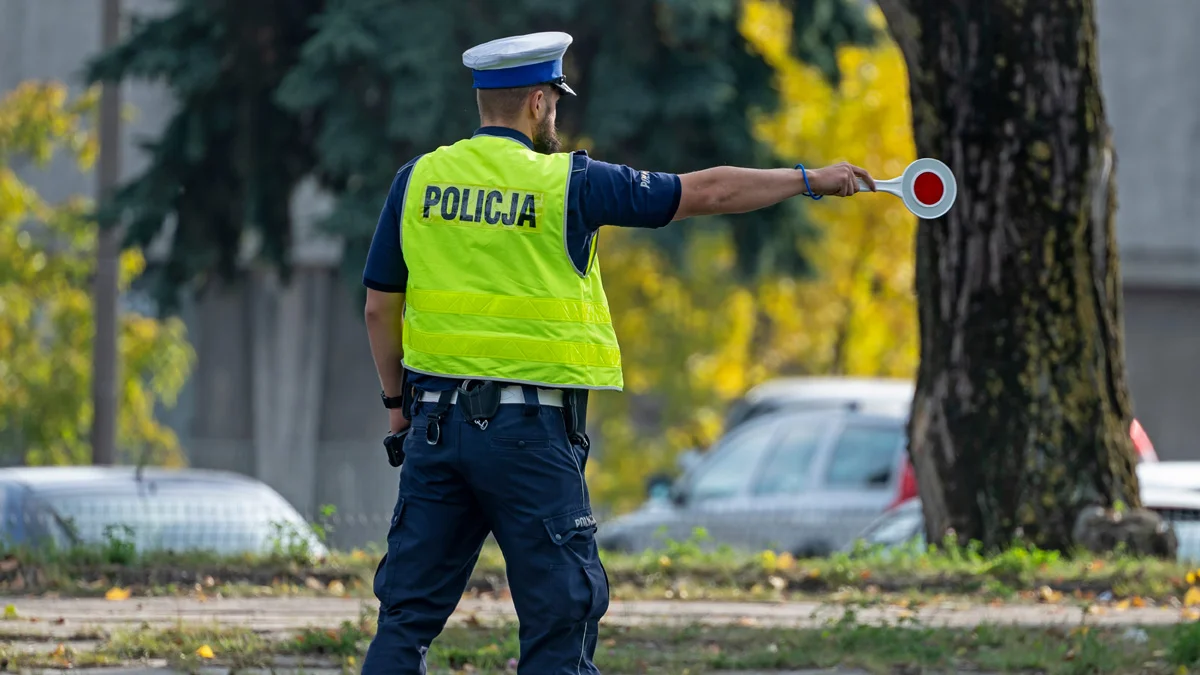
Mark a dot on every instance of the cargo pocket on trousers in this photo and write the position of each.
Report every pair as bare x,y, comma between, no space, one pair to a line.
578,566
382,576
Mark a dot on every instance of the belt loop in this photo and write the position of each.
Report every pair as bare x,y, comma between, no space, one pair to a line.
531,400
433,432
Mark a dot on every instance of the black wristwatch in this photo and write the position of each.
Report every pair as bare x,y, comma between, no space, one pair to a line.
392,402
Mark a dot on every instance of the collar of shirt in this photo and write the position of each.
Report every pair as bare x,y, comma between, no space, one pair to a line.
504,132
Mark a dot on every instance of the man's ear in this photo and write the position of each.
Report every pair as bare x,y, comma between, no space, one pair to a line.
537,100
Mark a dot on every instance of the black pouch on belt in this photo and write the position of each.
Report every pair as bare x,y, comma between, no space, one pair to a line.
575,416
479,400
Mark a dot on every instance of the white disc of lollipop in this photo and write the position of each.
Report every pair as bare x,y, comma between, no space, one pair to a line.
927,187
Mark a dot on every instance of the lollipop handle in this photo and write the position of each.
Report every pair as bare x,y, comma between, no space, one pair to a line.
890,186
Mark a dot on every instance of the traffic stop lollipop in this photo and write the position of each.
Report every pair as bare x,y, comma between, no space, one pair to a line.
927,187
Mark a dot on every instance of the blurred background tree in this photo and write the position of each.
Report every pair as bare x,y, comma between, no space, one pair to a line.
47,258
349,90
694,337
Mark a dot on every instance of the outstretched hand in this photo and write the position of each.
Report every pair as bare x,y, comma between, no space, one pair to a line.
839,180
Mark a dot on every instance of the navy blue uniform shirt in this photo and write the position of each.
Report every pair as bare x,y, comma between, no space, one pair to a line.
598,194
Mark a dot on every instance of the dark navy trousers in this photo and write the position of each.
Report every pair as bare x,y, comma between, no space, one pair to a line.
521,480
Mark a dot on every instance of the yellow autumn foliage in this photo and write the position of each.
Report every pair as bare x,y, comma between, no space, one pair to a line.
47,260
693,340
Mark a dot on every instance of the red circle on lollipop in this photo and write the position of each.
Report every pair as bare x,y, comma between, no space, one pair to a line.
928,188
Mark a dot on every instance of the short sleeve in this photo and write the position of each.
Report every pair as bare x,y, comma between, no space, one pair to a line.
614,194
385,269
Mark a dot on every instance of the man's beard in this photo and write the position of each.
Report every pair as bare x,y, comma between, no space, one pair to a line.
545,137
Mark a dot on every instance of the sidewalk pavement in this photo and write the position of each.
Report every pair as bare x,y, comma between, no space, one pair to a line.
67,616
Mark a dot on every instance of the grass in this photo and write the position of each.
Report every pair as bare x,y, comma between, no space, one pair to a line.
907,647
678,570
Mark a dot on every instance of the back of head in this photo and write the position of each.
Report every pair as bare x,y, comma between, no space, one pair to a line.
500,106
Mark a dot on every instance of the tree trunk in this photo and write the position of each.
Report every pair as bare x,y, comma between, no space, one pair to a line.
1021,416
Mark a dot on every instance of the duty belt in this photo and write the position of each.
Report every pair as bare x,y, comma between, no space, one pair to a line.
511,394
480,399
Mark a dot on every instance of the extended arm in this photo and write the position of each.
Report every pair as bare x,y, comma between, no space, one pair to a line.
731,189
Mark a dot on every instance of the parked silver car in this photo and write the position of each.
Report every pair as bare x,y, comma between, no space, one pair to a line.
801,481
154,509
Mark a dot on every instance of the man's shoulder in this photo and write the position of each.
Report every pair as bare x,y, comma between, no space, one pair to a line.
408,166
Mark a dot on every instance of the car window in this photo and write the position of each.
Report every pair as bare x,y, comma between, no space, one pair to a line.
864,458
788,467
733,467
900,527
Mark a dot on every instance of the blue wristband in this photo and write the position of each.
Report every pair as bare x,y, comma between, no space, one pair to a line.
807,187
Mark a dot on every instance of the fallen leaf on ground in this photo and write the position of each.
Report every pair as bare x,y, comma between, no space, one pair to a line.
1121,606
1049,595
1192,597
59,651
117,593
10,612
204,652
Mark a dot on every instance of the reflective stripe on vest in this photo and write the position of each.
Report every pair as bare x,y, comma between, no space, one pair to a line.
492,293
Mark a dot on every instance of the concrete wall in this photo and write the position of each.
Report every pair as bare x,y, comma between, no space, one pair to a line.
285,388
1147,52
1162,345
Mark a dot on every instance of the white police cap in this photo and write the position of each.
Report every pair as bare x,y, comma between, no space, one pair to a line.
520,61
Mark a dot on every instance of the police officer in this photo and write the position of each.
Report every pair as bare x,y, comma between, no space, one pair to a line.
484,264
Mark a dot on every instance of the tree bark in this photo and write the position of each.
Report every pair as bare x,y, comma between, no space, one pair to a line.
1021,416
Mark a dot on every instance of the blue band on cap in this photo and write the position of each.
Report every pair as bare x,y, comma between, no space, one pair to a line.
519,76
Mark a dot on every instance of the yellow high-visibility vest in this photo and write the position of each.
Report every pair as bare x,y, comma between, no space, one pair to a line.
492,293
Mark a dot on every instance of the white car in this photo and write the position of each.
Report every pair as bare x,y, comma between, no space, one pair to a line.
154,509
1173,494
